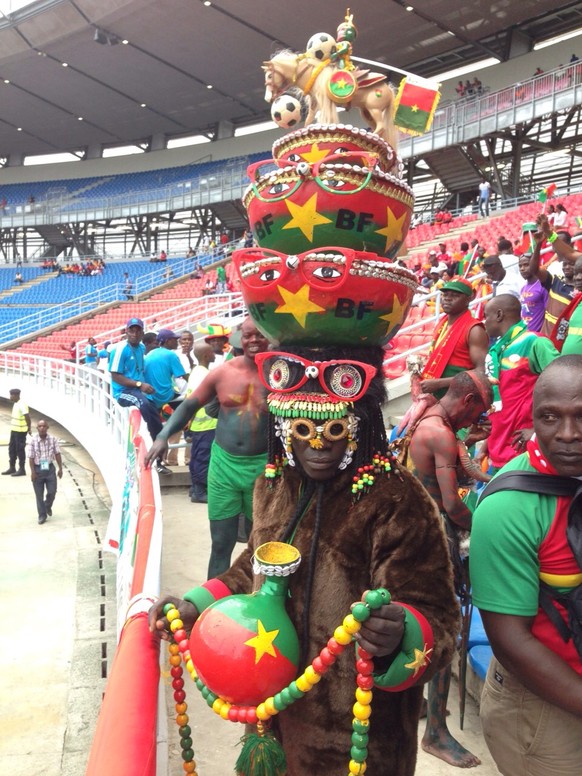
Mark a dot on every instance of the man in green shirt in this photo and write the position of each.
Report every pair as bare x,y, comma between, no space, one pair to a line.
531,707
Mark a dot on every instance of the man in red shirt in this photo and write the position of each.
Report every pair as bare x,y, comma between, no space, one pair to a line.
459,340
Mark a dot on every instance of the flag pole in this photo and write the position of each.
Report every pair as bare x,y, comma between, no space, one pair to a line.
383,66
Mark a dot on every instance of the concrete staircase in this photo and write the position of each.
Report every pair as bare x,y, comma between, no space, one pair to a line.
27,284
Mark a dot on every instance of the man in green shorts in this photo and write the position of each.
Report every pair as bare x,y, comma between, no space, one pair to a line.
239,450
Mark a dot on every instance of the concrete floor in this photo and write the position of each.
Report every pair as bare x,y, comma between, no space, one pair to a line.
58,590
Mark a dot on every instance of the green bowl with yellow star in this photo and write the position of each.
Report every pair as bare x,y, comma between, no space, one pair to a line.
344,198
324,296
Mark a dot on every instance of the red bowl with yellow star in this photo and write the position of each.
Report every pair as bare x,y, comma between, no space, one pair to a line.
344,199
332,295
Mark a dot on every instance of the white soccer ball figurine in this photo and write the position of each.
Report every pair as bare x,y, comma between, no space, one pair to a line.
286,111
321,46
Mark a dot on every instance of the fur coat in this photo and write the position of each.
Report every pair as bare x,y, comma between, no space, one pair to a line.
391,538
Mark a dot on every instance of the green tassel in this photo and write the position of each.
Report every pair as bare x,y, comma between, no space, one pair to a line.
261,756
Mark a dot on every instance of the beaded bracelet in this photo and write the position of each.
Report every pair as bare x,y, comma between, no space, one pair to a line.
552,238
260,714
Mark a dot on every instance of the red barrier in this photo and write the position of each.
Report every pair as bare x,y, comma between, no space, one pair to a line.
125,739
146,517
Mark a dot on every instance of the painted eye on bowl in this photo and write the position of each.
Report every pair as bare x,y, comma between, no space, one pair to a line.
278,188
294,158
268,275
327,273
334,183
344,380
342,150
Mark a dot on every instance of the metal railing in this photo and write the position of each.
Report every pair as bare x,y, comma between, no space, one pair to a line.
224,184
475,117
79,398
50,316
222,308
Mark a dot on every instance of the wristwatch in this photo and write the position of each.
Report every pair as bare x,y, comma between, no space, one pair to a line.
138,384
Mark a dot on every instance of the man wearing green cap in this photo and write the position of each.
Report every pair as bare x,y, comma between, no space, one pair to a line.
459,341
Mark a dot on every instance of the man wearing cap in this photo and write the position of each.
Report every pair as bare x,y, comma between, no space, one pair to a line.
19,430
217,337
165,373
239,450
459,341
128,383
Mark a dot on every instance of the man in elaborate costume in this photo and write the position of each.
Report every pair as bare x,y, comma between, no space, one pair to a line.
459,341
352,540
330,488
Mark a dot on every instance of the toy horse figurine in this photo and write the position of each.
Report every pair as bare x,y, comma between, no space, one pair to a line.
373,96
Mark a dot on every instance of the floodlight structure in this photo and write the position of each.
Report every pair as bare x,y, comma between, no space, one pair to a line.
105,38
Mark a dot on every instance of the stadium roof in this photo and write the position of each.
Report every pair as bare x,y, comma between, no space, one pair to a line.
85,73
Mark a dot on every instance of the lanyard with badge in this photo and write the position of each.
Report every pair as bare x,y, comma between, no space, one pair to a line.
44,460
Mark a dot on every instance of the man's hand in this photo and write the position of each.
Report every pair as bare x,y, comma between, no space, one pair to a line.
147,388
32,475
382,632
156,451
159,623
520,438
544,225
478,432
60,473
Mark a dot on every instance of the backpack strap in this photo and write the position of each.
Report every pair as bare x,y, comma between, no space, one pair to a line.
546,598
532,482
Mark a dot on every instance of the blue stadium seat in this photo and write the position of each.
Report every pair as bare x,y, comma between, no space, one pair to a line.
479,659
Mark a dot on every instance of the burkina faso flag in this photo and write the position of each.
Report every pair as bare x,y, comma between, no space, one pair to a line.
416,103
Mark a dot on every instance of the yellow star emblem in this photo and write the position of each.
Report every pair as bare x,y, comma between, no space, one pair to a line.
263,642
394,229
421,658
298,305
394,317
342,83
414,108
316,154
305,217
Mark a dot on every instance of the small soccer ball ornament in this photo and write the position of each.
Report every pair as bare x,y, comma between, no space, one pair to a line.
286,111
321,46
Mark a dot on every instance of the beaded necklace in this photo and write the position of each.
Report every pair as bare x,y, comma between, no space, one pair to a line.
261,714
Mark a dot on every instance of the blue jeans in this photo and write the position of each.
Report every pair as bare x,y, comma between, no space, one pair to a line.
133,397
200,456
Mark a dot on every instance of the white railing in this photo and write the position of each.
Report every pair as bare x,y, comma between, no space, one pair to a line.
55,314
78,398
224,308
474,117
